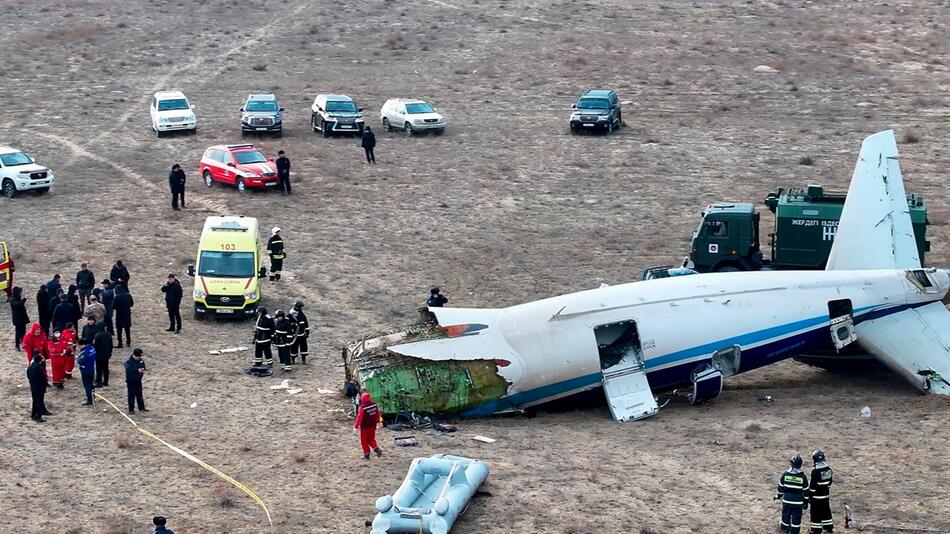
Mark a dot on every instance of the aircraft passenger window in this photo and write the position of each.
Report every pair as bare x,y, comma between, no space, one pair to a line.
716,228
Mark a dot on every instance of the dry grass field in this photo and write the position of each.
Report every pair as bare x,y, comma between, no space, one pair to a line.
505,207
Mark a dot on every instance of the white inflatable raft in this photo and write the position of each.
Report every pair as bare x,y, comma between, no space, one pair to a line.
430,499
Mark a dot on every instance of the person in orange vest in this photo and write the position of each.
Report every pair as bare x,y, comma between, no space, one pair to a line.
35,340
57,358
367,419
69,335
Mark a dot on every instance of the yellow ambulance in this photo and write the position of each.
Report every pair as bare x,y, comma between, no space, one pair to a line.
228,268
6,269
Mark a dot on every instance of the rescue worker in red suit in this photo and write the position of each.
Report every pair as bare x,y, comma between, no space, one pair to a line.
57,359
35,339
367,419
69,336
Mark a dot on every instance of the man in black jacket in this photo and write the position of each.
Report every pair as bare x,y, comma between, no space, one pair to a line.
283,171
120,274
368,144
172,291
134,371
123,314
176,181
63,312
42,307
103,344
19,315
89,331
85,282
36,374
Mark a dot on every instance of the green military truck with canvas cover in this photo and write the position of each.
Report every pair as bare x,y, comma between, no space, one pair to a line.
806,219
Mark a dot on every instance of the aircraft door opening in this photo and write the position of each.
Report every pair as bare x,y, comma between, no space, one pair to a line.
621,362
842,323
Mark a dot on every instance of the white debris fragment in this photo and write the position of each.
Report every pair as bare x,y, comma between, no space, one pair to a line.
866,411
864,104
765,68
326,391
194,404
283,385
227,350
294,391
483,439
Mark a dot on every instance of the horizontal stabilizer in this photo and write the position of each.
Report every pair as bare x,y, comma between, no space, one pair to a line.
915,343
875,230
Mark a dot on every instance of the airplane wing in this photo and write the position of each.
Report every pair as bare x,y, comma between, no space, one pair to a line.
875,230
915,343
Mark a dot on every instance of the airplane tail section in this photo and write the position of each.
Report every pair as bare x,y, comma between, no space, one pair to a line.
875,230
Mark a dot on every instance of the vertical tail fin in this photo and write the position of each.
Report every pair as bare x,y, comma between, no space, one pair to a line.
875,230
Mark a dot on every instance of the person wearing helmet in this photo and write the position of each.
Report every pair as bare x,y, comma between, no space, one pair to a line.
263,336
275,248
300,347
284,332
793,489
819,493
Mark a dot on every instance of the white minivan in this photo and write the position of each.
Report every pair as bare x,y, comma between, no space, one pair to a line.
411,116
170,111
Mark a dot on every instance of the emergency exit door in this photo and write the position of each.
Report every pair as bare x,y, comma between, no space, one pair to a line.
841,314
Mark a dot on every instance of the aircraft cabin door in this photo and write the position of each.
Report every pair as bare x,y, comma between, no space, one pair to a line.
625,381
842,323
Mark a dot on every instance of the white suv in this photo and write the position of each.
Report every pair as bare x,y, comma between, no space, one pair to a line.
170,112
411,116
19,172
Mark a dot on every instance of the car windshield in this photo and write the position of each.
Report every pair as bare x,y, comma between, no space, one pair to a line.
249,156
226,264
341,105
592,103
420,107
261,105
172,103
16,158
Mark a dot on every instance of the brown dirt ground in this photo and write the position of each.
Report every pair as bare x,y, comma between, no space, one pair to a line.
506,207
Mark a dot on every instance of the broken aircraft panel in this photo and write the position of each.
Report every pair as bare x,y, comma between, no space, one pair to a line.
402,383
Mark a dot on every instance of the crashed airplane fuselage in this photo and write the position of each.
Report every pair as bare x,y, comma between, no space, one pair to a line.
633,339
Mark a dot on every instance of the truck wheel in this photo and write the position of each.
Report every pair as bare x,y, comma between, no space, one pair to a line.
323,126
610,127
209,181
728,268
240,185
408,129
386,126
9,189
313,122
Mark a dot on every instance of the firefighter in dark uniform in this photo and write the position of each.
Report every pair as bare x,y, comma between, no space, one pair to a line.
275,247
284,332
293,337
793,490
263,335
818,494
300,347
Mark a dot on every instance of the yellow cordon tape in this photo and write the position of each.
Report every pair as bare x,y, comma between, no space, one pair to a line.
196,460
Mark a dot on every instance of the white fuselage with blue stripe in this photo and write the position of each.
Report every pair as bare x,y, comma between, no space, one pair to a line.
682,322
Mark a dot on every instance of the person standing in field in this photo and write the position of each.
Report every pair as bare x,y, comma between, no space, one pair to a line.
283,171
134,372
367,419
18,315
36,374
173,294
123,314
176,181
85,283
42,308
369,144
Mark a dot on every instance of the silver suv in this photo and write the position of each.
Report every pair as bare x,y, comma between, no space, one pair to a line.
262,114
335,114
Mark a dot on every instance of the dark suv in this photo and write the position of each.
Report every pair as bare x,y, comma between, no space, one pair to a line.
597,109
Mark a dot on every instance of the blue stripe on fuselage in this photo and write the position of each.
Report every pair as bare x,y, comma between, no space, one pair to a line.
752,358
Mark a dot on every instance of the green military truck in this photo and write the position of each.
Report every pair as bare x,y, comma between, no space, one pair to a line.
806,219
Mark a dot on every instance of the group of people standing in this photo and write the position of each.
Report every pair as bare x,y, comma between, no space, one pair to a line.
287,332
796,493
54,338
